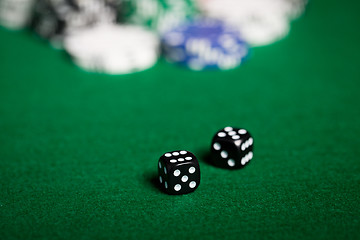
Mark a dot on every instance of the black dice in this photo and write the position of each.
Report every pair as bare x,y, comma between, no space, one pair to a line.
179,172
232,148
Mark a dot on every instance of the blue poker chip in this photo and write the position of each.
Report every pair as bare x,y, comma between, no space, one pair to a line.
205,44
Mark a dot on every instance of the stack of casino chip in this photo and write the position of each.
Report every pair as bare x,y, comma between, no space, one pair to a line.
158,15
55,19
122,36
261,22
15,14
205,43
113,49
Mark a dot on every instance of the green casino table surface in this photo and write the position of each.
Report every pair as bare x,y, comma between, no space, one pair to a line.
79,151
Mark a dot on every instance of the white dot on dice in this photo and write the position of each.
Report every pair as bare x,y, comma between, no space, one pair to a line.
191,170
231,162
228,129
167,154
224,154
184,178
177,187
242,131
221,134
192,184
217,146
246,159
160,179
176,172
232,133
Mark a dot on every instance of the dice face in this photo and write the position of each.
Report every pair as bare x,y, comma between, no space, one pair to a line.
232,148
179,172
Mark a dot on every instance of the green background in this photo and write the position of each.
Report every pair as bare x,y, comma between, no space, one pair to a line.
78,151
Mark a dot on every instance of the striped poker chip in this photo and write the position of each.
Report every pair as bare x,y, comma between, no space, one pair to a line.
205,43
261,22
54,19
15,14
113,49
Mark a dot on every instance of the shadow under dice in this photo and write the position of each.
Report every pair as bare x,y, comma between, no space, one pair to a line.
179,172
232,148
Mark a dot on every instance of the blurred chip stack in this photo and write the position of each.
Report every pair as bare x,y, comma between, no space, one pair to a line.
113,49
15,14
261,22
123,36
205,44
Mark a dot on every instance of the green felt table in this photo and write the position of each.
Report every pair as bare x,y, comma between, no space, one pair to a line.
79,151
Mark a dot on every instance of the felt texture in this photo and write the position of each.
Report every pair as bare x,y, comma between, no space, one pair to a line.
79,151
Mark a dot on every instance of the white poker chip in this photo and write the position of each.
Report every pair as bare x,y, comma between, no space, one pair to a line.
113,49
261,22
294,8
287,8
264,29
15,14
